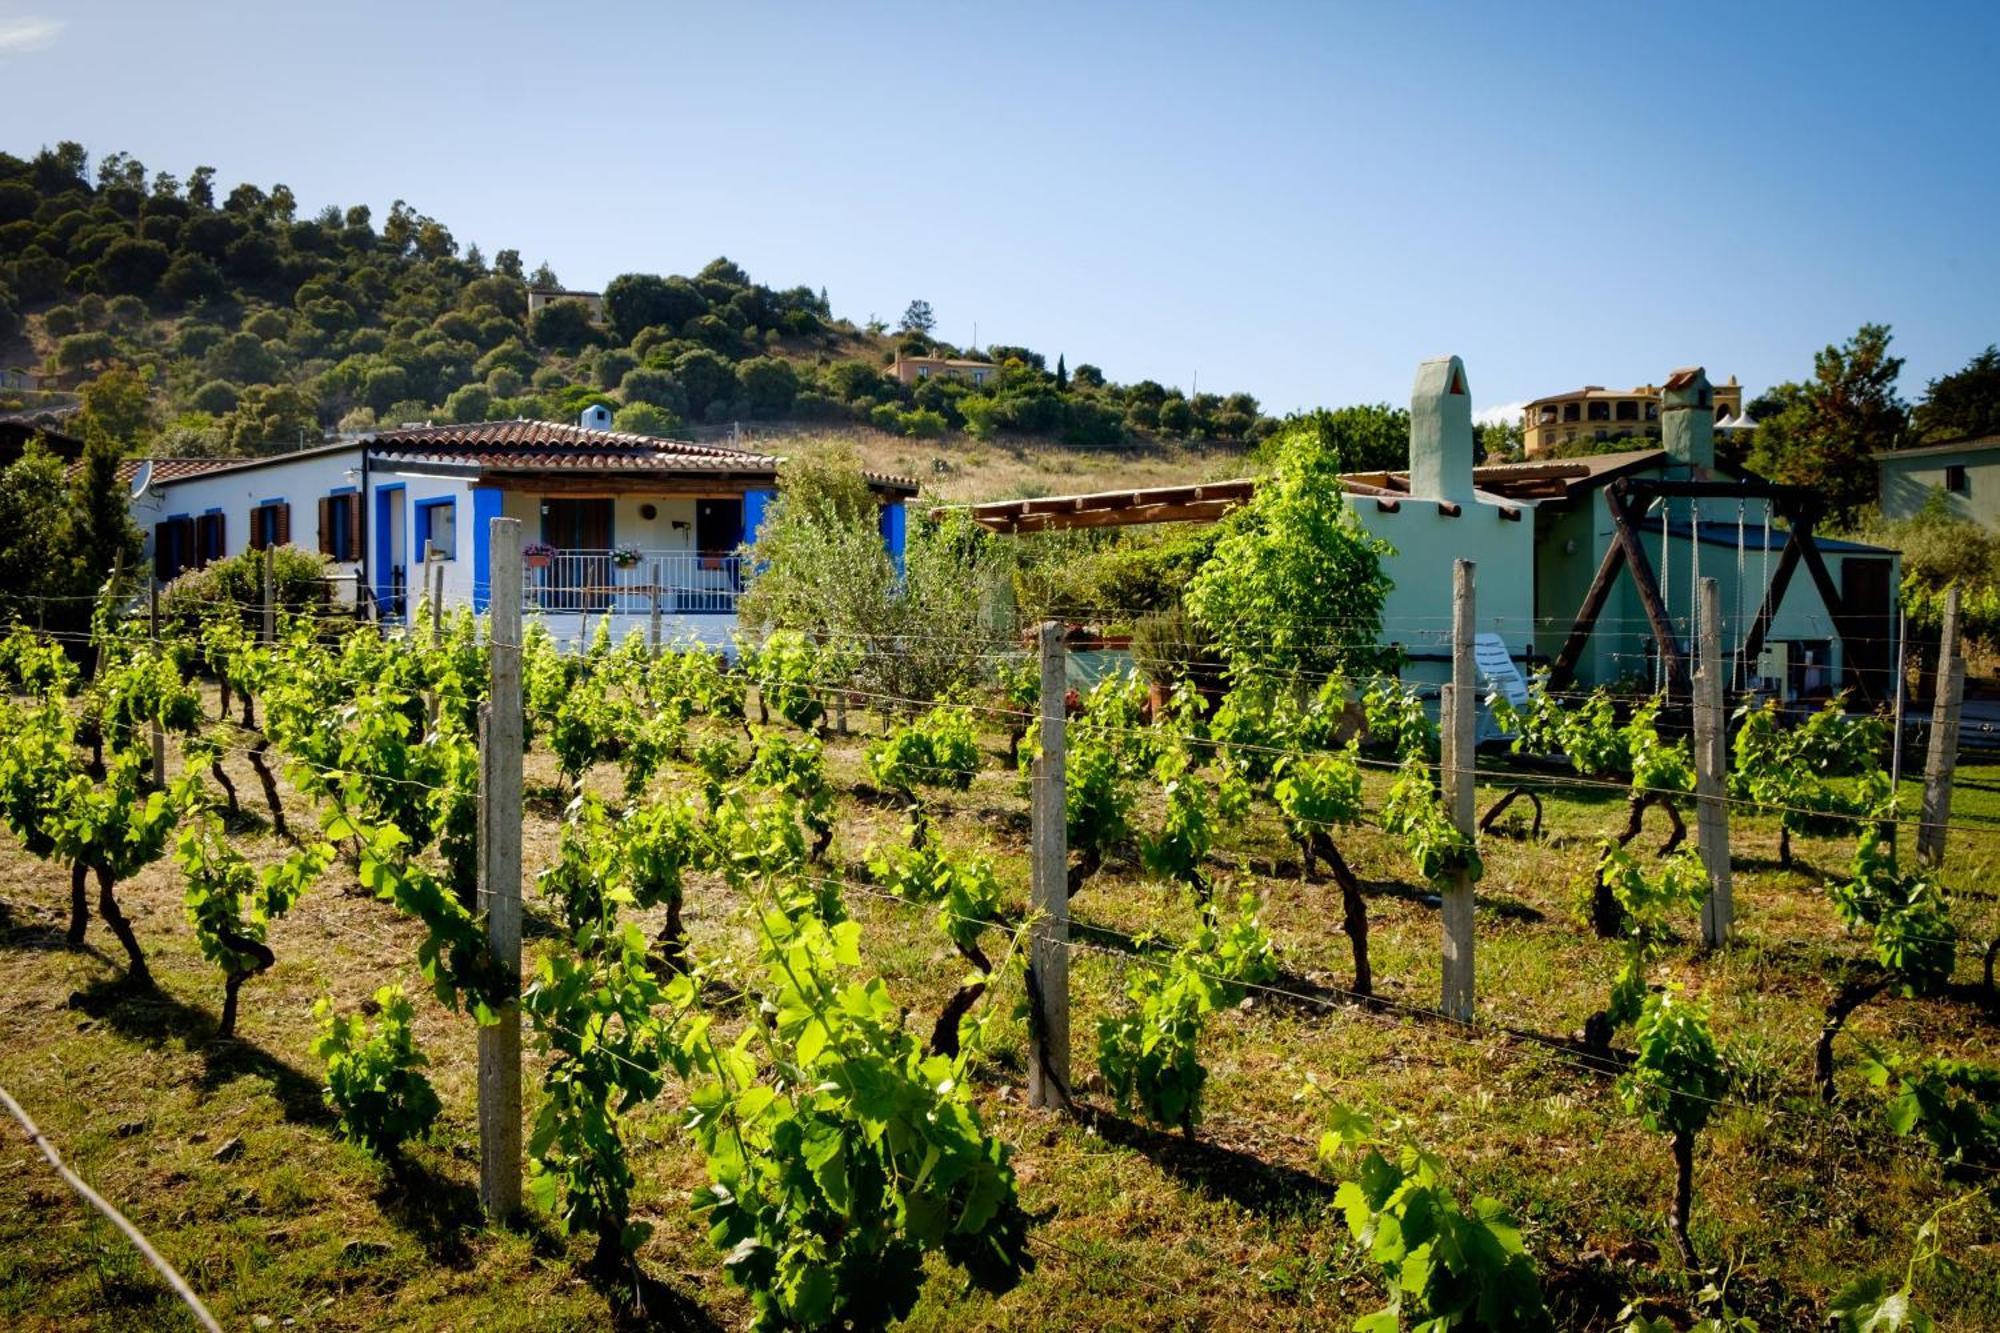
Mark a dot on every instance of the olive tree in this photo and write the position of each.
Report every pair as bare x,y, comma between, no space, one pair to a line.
821,567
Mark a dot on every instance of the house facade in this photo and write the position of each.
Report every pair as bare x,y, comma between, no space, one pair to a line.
610,522
541,296
1600,415
916,369
1966,473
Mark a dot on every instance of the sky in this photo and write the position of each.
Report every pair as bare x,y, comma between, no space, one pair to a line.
1296,200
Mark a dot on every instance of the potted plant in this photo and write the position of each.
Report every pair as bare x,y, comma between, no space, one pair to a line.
625,557
537,555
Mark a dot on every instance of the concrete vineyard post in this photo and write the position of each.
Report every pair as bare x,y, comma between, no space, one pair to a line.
434,585
1718,914
1048,960
1461,711
270,599
500,877
653,630
1943,759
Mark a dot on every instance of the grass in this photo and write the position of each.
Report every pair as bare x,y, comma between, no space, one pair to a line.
961,470
1135,1227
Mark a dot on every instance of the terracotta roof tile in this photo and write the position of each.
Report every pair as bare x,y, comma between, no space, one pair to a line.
537,446
483,436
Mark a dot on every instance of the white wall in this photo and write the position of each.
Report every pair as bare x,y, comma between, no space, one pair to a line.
299,481
1427,542
417,487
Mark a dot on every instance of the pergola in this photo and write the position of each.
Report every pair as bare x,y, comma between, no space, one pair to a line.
1202,503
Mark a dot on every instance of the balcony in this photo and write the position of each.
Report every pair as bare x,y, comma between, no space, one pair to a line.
570,582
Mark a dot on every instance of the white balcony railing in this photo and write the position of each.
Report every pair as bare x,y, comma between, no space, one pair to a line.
687,583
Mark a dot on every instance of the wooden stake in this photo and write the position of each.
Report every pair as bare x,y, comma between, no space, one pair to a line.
1718,914
1461,712
1048,961
159,732
1943,760
500,878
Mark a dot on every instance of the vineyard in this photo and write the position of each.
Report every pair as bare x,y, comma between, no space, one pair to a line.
785,998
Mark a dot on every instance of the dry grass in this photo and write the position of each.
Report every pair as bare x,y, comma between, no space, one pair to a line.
960,469
1135,1228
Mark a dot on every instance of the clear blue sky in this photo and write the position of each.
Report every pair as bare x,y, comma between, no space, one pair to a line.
1298,200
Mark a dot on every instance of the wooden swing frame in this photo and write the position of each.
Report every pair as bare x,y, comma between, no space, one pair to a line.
1627,499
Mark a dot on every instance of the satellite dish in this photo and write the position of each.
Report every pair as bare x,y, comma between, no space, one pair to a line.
142,478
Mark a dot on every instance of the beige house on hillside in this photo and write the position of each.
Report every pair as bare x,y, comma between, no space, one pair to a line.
1595,412
916,369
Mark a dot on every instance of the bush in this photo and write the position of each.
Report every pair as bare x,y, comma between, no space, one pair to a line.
657,387
217,398
375,1080
645,419
299,578
923,424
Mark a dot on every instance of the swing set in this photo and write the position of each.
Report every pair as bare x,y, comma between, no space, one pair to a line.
1629,499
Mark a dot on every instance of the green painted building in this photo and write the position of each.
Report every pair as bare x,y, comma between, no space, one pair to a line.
1966,473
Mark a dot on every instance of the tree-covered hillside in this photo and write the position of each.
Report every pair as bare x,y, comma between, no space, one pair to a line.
255,327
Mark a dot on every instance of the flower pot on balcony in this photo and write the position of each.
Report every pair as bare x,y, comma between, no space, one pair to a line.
536,559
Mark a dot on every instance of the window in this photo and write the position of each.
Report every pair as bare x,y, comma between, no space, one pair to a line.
208,543
1600,411
1955,479
923,372
718,527
1652,411
437,529
340,527
173,546
1628,409
1572,412
270,525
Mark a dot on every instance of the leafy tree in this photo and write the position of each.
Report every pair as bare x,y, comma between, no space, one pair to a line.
118,406
917,318
1295,583
708,378
637,301
1824,432
270,419
645,419
564,326
770,384
1962,405
133,265
38,547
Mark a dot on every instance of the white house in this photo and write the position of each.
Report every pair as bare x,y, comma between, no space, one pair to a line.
609,520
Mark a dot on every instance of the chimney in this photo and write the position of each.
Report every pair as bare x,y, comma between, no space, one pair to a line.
1441,432
1687,418
595,417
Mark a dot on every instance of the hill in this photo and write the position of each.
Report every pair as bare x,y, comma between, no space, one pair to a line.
254,327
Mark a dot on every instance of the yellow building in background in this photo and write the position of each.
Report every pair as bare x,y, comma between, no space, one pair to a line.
1599,414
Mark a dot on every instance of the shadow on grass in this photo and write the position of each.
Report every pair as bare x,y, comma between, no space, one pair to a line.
1265,1188
44,936
154,1018
640,1301
439,1213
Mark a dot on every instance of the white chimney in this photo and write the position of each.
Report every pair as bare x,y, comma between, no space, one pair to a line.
595,417
1441,432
